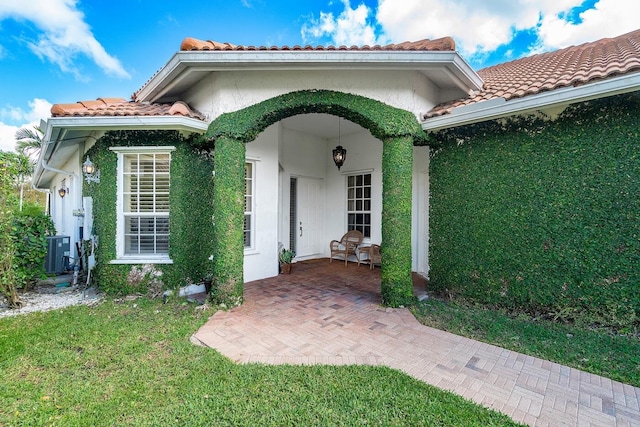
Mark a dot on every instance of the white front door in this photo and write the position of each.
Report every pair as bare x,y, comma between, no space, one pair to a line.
310,211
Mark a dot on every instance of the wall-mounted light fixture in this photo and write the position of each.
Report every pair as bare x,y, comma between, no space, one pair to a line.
63,191
91,172
339,153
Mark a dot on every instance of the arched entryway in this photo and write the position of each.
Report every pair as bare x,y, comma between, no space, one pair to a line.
397,129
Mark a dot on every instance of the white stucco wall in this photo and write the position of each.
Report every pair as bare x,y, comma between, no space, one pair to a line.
261,260
61,209
302,156
231,91
364,155
420,211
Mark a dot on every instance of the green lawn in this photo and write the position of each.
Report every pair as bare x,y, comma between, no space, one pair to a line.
597,351
132,364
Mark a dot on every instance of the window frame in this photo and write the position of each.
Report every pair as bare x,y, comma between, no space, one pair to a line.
365,227
121,256
252,212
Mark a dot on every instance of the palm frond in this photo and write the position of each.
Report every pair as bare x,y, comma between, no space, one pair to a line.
29,141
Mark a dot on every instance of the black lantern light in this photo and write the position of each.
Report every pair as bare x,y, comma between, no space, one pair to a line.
62,191
339,155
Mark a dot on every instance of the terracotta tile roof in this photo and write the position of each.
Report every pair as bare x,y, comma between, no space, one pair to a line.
571,66
105,107
192,44
441,44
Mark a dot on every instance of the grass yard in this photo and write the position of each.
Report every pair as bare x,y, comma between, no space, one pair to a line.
596,351
132,364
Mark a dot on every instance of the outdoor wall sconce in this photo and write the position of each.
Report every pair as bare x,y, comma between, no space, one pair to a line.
63,191
91,173
339,155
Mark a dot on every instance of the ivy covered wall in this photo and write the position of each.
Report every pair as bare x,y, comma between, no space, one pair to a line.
542,216
191,201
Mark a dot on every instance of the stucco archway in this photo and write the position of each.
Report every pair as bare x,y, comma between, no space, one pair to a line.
397,129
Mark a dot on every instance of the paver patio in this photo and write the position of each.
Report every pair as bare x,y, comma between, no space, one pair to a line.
330,314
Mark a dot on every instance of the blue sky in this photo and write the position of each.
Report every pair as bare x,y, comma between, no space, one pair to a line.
63,51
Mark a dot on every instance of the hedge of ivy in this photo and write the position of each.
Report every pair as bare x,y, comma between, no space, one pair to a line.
397,164
228,200
190,201
542,216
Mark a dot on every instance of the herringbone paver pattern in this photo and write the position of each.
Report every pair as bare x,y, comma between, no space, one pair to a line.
330,314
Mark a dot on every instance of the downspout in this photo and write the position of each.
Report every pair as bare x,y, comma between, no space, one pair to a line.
46,166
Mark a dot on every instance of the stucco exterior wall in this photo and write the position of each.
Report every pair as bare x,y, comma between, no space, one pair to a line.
232,91
261,260
420,211
61,209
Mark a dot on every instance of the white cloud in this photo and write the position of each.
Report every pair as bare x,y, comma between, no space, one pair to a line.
38,109
64,34
351,27
479,28
7,137
609,18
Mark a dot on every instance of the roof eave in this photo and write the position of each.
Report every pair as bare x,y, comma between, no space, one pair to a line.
181,123
56,128
185,62
498,107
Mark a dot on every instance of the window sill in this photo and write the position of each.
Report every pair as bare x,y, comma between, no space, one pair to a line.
142,260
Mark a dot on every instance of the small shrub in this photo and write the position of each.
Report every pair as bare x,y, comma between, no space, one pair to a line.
29,232
145,279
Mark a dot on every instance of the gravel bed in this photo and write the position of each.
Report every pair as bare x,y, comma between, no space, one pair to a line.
49,298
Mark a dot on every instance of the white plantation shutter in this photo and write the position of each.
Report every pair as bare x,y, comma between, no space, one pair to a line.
146,203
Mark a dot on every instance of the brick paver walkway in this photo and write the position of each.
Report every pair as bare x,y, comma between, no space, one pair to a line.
330,314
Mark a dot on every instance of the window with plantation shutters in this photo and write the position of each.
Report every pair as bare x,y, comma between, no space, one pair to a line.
143,205
146,203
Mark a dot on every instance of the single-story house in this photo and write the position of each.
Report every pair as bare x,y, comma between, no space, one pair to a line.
224,156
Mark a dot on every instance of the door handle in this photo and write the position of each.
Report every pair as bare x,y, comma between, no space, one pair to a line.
300,228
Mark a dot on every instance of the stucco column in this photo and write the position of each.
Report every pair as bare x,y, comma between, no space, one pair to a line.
397,163
228,221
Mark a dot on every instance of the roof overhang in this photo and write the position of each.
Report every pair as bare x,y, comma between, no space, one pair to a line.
499,107
63,135
447,69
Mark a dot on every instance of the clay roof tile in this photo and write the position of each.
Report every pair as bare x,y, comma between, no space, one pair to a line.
444,44
109,107
571,66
